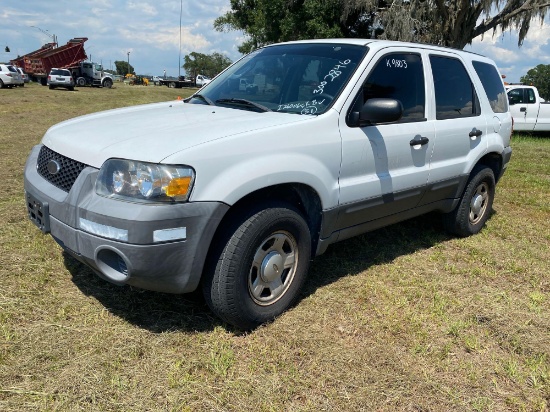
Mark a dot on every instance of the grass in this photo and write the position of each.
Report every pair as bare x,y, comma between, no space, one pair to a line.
405,318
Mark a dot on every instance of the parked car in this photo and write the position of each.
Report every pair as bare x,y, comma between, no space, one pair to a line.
236,192
60,78
24,76
9,76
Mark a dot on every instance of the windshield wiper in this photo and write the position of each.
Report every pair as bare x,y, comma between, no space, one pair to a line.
245,102
206,99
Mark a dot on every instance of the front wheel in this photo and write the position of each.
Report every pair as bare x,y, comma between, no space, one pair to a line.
108,83
475,205
259,266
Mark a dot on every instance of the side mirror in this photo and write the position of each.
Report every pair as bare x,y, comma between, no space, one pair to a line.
380,111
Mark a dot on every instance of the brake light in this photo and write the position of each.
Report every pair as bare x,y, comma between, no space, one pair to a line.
49,77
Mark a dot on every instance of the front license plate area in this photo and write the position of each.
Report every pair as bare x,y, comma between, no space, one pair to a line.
38,212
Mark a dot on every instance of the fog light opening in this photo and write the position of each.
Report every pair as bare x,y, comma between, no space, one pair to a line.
113,265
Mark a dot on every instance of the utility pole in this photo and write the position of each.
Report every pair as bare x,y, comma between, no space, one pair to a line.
128,63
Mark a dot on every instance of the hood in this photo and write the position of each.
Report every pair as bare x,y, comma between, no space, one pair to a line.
153,132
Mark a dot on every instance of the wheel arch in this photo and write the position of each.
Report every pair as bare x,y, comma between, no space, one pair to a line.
303,197
494,162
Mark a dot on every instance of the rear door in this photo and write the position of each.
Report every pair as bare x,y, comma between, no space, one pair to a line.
460,128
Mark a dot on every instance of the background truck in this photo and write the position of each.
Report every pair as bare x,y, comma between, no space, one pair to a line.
183,81
91,74
38,64
529,110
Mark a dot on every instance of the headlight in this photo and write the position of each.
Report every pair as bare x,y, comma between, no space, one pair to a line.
141,181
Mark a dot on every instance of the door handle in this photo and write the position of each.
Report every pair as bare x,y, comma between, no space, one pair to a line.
422,141
523,109
476,133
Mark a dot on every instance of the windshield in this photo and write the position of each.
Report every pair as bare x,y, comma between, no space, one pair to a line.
288,78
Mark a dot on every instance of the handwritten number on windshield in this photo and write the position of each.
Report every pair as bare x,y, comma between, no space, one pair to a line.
333,74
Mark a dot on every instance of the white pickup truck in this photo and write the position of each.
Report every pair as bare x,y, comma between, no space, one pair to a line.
529,110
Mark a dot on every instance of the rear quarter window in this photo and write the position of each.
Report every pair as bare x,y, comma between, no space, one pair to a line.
492,84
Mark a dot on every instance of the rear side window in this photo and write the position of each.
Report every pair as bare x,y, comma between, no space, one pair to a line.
455,96
492,84
398,76
60,72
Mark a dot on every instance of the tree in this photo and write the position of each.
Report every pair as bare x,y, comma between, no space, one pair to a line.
457,23
122,68
7,49
540,78
444,22
207,64
270,21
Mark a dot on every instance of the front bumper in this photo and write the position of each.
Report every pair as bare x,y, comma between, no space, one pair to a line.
159,247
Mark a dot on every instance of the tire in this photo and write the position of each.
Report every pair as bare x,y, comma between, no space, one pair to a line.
81,81
475,205
108,83
244,284
1,84
172,85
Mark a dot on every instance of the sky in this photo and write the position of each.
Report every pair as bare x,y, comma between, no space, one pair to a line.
150,32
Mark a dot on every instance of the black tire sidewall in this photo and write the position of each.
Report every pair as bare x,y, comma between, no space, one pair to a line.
462,225
237,259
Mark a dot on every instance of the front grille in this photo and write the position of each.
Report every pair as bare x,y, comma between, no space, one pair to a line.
68,171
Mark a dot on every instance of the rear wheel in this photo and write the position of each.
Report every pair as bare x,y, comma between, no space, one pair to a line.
81,81
259,266
475,206
172,85
1,84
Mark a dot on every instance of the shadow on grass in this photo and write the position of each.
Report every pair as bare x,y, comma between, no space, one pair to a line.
160,312
154,311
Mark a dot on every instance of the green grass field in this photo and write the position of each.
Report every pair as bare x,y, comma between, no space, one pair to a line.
405,318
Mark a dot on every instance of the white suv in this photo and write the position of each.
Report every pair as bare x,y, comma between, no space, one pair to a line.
9,76
240,189
60,78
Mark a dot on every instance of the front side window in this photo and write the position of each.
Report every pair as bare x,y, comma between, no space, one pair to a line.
492,84
455,96
397,76
293,78
515,96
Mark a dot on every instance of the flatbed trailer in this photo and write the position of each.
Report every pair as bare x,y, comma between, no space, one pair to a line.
177,84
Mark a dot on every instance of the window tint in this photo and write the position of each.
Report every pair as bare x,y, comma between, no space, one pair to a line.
493,86
398,76
515,96
530,96
60,72
455,96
